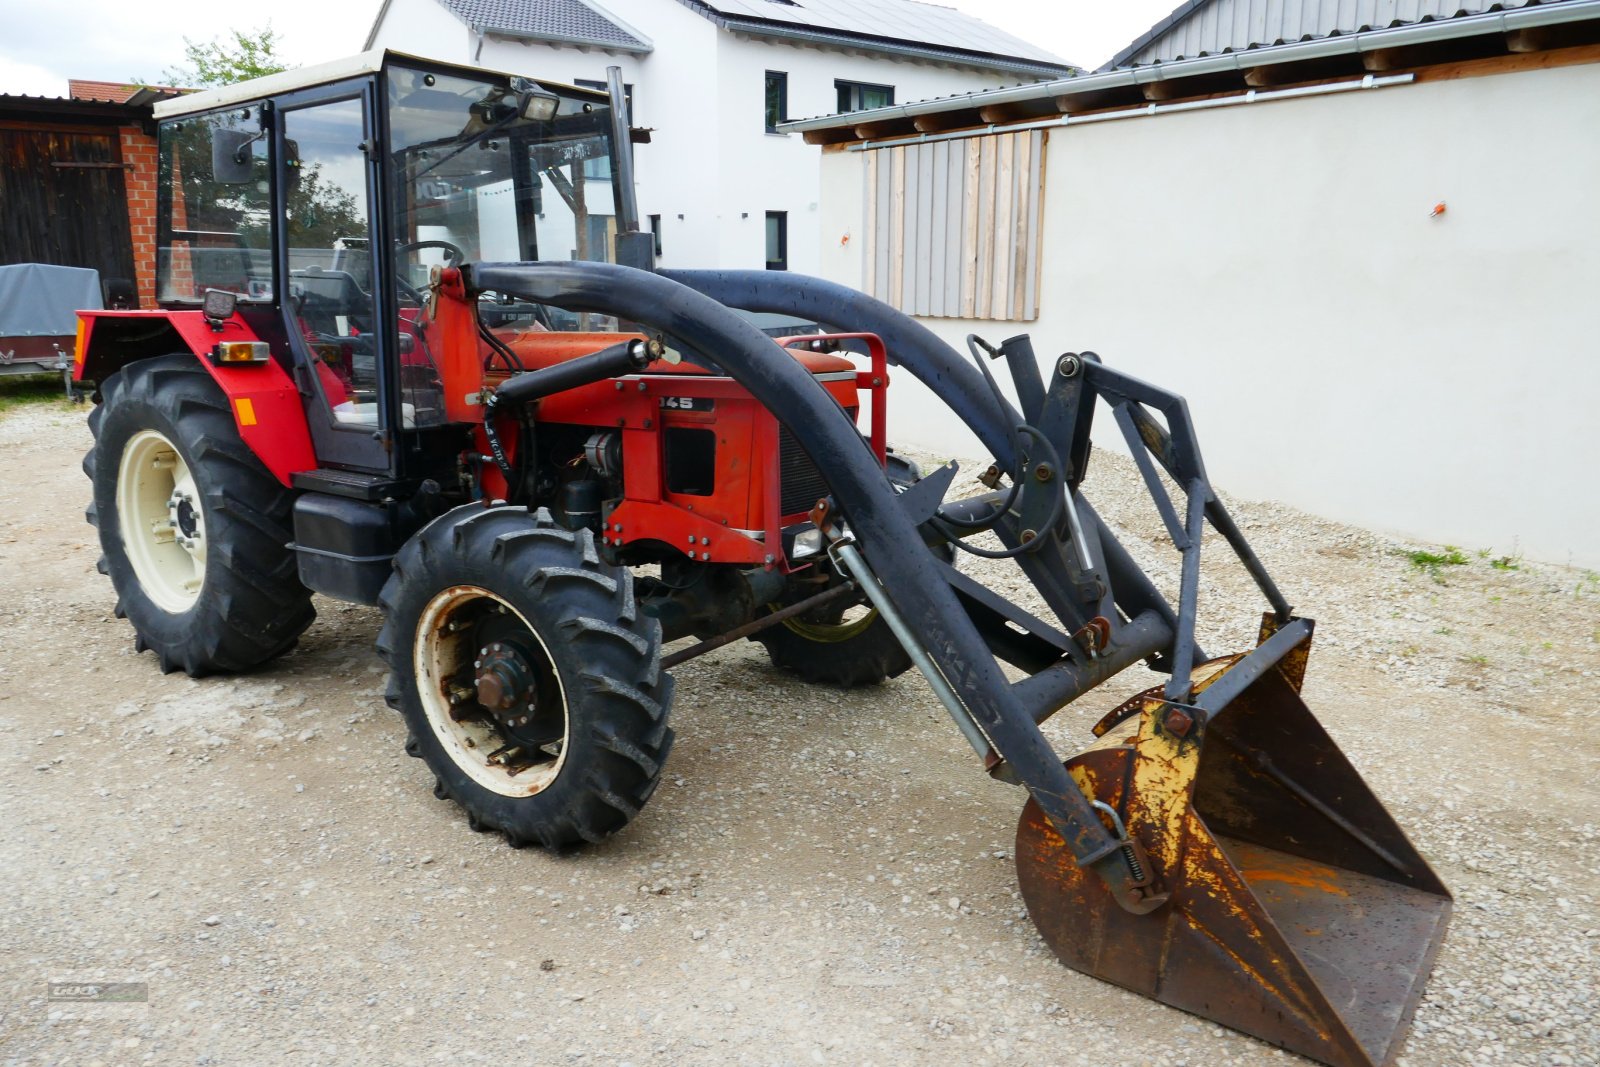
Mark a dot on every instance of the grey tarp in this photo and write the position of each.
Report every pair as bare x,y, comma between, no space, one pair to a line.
43,300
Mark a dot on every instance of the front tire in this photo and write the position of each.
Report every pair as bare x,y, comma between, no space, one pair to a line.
529,680
193,528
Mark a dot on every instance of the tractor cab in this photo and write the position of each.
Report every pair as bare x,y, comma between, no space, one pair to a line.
322,203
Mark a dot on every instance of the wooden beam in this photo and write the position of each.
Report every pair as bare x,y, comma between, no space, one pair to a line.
941,121
1158,91
1267,76
868,131
997,113
1475,68
1531,39
1381,59
836,135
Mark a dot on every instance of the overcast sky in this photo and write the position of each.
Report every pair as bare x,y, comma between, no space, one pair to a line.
114,40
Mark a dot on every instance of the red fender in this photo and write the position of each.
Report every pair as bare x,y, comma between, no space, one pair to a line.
265,403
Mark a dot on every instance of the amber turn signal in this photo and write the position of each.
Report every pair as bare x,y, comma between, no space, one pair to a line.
234,353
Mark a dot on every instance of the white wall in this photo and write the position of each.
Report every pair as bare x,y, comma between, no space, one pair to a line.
703,91
762,172
1341,350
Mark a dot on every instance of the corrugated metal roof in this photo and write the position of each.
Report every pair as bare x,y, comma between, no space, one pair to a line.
1446,40
903,21
571,21
1208,27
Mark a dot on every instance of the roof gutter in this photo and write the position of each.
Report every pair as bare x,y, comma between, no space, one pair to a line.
1253,96
1298,52
640,49
988,61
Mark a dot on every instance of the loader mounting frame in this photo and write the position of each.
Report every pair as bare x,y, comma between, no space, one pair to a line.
1183,903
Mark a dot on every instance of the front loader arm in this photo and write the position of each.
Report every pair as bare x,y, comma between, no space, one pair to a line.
907,570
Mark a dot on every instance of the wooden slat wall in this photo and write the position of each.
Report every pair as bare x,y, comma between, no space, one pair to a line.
953,227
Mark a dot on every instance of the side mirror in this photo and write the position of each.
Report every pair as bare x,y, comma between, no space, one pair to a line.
230,156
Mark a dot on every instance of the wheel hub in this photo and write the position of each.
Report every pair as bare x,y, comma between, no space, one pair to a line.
506,683
490,692
185,516
161,521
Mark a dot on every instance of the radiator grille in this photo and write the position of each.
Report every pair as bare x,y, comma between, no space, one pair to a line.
800,484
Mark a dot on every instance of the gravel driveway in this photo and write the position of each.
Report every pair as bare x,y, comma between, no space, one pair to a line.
824,877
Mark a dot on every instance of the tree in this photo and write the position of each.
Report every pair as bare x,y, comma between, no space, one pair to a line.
246,54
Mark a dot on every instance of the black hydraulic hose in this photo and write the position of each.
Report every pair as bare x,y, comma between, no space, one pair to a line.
1020,430
906,569
911,344
499,347
950,526
524,388
497,450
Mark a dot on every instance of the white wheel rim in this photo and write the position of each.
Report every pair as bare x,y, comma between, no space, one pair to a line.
161,518
440,656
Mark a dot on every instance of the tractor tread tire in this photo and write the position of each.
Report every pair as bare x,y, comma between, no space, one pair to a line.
252,607
606,652
869,658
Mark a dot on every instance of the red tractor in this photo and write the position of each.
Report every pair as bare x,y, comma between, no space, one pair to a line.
413,351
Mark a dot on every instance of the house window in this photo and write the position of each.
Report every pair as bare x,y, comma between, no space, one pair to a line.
777,99
953,227
777,240
860,96
655,231
599,170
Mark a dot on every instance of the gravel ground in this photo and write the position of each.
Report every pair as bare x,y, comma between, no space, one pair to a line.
824,877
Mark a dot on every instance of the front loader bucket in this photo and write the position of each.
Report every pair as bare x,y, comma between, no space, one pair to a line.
1298,911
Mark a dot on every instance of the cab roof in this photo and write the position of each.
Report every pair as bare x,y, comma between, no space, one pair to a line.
318,74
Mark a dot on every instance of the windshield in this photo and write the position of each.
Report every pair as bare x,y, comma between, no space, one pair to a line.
474,180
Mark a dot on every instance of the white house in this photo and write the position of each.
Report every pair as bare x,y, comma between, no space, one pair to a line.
1368,252
720,183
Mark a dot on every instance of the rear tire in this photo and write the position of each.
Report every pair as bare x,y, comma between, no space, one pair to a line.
508,639
193,528
831,650
826,648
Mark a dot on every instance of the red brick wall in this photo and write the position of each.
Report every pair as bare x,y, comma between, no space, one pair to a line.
139,162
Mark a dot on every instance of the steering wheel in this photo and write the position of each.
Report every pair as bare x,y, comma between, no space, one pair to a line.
454,257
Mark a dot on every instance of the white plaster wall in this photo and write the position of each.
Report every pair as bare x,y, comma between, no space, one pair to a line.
423,28
1341,350
761,172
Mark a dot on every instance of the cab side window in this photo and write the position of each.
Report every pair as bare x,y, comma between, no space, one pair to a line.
327,231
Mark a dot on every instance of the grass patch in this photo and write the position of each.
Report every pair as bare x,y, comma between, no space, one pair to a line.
1433,563
17,390
1506,563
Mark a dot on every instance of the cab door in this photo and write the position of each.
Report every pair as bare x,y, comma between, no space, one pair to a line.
333,304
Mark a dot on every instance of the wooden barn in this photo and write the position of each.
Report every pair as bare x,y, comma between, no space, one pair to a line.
77,184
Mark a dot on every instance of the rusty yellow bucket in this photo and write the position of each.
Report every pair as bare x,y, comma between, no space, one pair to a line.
1297,911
